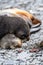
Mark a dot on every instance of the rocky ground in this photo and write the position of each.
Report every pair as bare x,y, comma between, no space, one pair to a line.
23,56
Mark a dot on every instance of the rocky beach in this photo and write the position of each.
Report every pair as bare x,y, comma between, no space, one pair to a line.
23,56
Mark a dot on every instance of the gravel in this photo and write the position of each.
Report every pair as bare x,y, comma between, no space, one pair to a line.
22,56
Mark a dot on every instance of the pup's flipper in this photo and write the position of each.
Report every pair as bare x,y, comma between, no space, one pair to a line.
33,30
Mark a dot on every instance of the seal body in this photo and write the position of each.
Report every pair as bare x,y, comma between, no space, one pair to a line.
17,23
14,25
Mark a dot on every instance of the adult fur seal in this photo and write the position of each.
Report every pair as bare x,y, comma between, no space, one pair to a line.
14,25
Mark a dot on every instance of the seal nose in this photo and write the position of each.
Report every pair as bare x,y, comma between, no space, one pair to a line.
28,38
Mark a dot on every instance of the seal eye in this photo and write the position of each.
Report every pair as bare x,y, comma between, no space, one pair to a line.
23,36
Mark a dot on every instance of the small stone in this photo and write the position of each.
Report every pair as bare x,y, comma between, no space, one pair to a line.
34,50
19,51
9,62
41,59
38,55
41,44
2,51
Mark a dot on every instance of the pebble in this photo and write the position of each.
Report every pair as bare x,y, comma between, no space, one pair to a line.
9,62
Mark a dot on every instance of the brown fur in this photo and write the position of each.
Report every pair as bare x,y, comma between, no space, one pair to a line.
25,14
16,11
25,17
